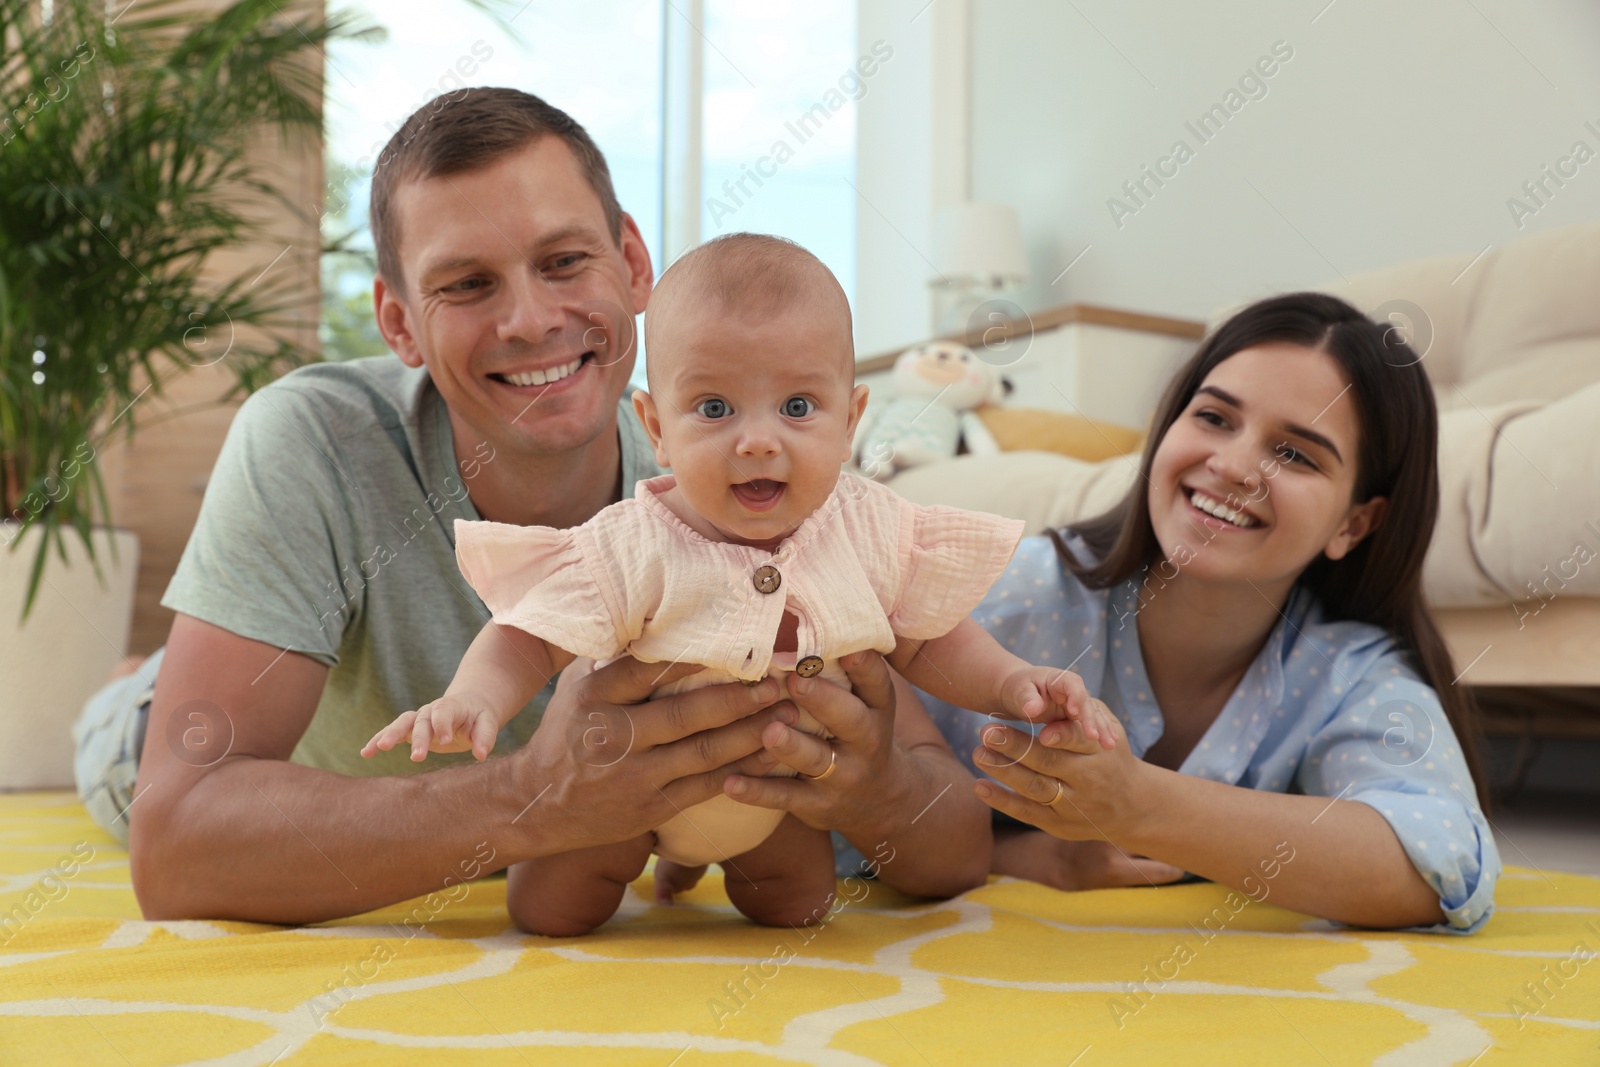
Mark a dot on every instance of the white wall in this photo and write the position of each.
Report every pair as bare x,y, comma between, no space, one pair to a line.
911,157
1396,131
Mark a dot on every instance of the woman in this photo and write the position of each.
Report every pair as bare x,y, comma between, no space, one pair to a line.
1252,612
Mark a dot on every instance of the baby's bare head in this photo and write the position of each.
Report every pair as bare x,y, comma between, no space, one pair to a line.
739,281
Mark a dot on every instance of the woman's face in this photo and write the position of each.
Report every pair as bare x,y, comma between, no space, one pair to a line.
1254,480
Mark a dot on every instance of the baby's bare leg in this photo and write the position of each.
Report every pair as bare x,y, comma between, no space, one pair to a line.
571,893
786,879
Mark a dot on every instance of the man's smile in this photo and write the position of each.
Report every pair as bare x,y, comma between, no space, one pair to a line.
543,378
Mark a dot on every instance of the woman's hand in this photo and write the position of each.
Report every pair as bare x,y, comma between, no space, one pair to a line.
1074,865
1063,781
1076,790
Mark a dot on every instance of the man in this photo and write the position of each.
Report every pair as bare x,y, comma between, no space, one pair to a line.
319,595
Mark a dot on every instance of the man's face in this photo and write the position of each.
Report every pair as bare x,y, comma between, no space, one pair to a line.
517,300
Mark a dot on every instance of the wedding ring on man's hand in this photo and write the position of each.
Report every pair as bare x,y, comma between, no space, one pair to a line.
833,761
1061,791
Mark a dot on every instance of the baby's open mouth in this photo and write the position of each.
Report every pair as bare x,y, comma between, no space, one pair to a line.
760,494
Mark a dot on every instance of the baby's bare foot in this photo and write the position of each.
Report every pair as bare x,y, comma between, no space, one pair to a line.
674,878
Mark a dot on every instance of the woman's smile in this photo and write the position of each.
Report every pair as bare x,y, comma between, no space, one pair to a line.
1215,513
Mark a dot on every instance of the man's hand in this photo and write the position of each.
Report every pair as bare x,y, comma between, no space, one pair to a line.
890,768
608,764
852,793
453,723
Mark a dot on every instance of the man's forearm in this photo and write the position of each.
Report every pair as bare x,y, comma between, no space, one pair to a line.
250,836
270,841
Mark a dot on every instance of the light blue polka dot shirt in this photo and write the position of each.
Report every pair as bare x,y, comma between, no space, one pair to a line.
1327,709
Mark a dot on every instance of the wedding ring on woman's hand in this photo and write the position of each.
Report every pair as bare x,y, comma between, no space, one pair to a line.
833,761
1061,791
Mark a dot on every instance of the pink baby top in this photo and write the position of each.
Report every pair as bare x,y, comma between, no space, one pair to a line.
864,567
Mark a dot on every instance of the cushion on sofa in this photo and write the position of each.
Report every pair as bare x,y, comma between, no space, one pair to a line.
1536,312
1534,508
1037,430
1453,574
1043,489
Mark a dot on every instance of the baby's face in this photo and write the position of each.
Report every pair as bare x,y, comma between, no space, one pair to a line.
753,415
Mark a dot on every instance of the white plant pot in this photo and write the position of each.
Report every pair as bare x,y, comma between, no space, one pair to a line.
51,663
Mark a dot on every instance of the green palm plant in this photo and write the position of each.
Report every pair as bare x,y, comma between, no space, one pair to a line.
125,165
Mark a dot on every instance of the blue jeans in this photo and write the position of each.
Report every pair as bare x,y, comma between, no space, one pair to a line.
109,736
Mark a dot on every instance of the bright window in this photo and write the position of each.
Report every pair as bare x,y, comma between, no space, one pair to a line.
774,72
780,83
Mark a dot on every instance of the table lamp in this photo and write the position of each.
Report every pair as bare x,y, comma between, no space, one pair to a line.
978,254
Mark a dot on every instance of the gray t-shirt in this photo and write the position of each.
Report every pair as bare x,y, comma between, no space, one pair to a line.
328,529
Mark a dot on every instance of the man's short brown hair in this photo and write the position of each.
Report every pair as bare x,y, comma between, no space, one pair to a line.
463,131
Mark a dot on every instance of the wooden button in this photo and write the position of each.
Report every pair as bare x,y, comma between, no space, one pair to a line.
768,579
809,667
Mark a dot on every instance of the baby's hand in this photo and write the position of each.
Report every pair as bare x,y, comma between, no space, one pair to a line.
449,724
1045,694
1099,728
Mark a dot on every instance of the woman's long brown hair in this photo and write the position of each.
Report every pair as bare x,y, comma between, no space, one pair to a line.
1380,580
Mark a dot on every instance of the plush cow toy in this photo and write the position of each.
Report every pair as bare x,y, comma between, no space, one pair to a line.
936,386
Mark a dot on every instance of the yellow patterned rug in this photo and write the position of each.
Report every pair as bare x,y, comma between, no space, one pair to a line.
1008,974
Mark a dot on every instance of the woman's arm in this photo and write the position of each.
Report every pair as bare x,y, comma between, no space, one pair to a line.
1337,859
896,792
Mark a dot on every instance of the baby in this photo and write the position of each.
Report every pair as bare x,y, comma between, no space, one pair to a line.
756,555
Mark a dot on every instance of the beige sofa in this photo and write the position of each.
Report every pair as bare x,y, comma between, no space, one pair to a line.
1512,346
